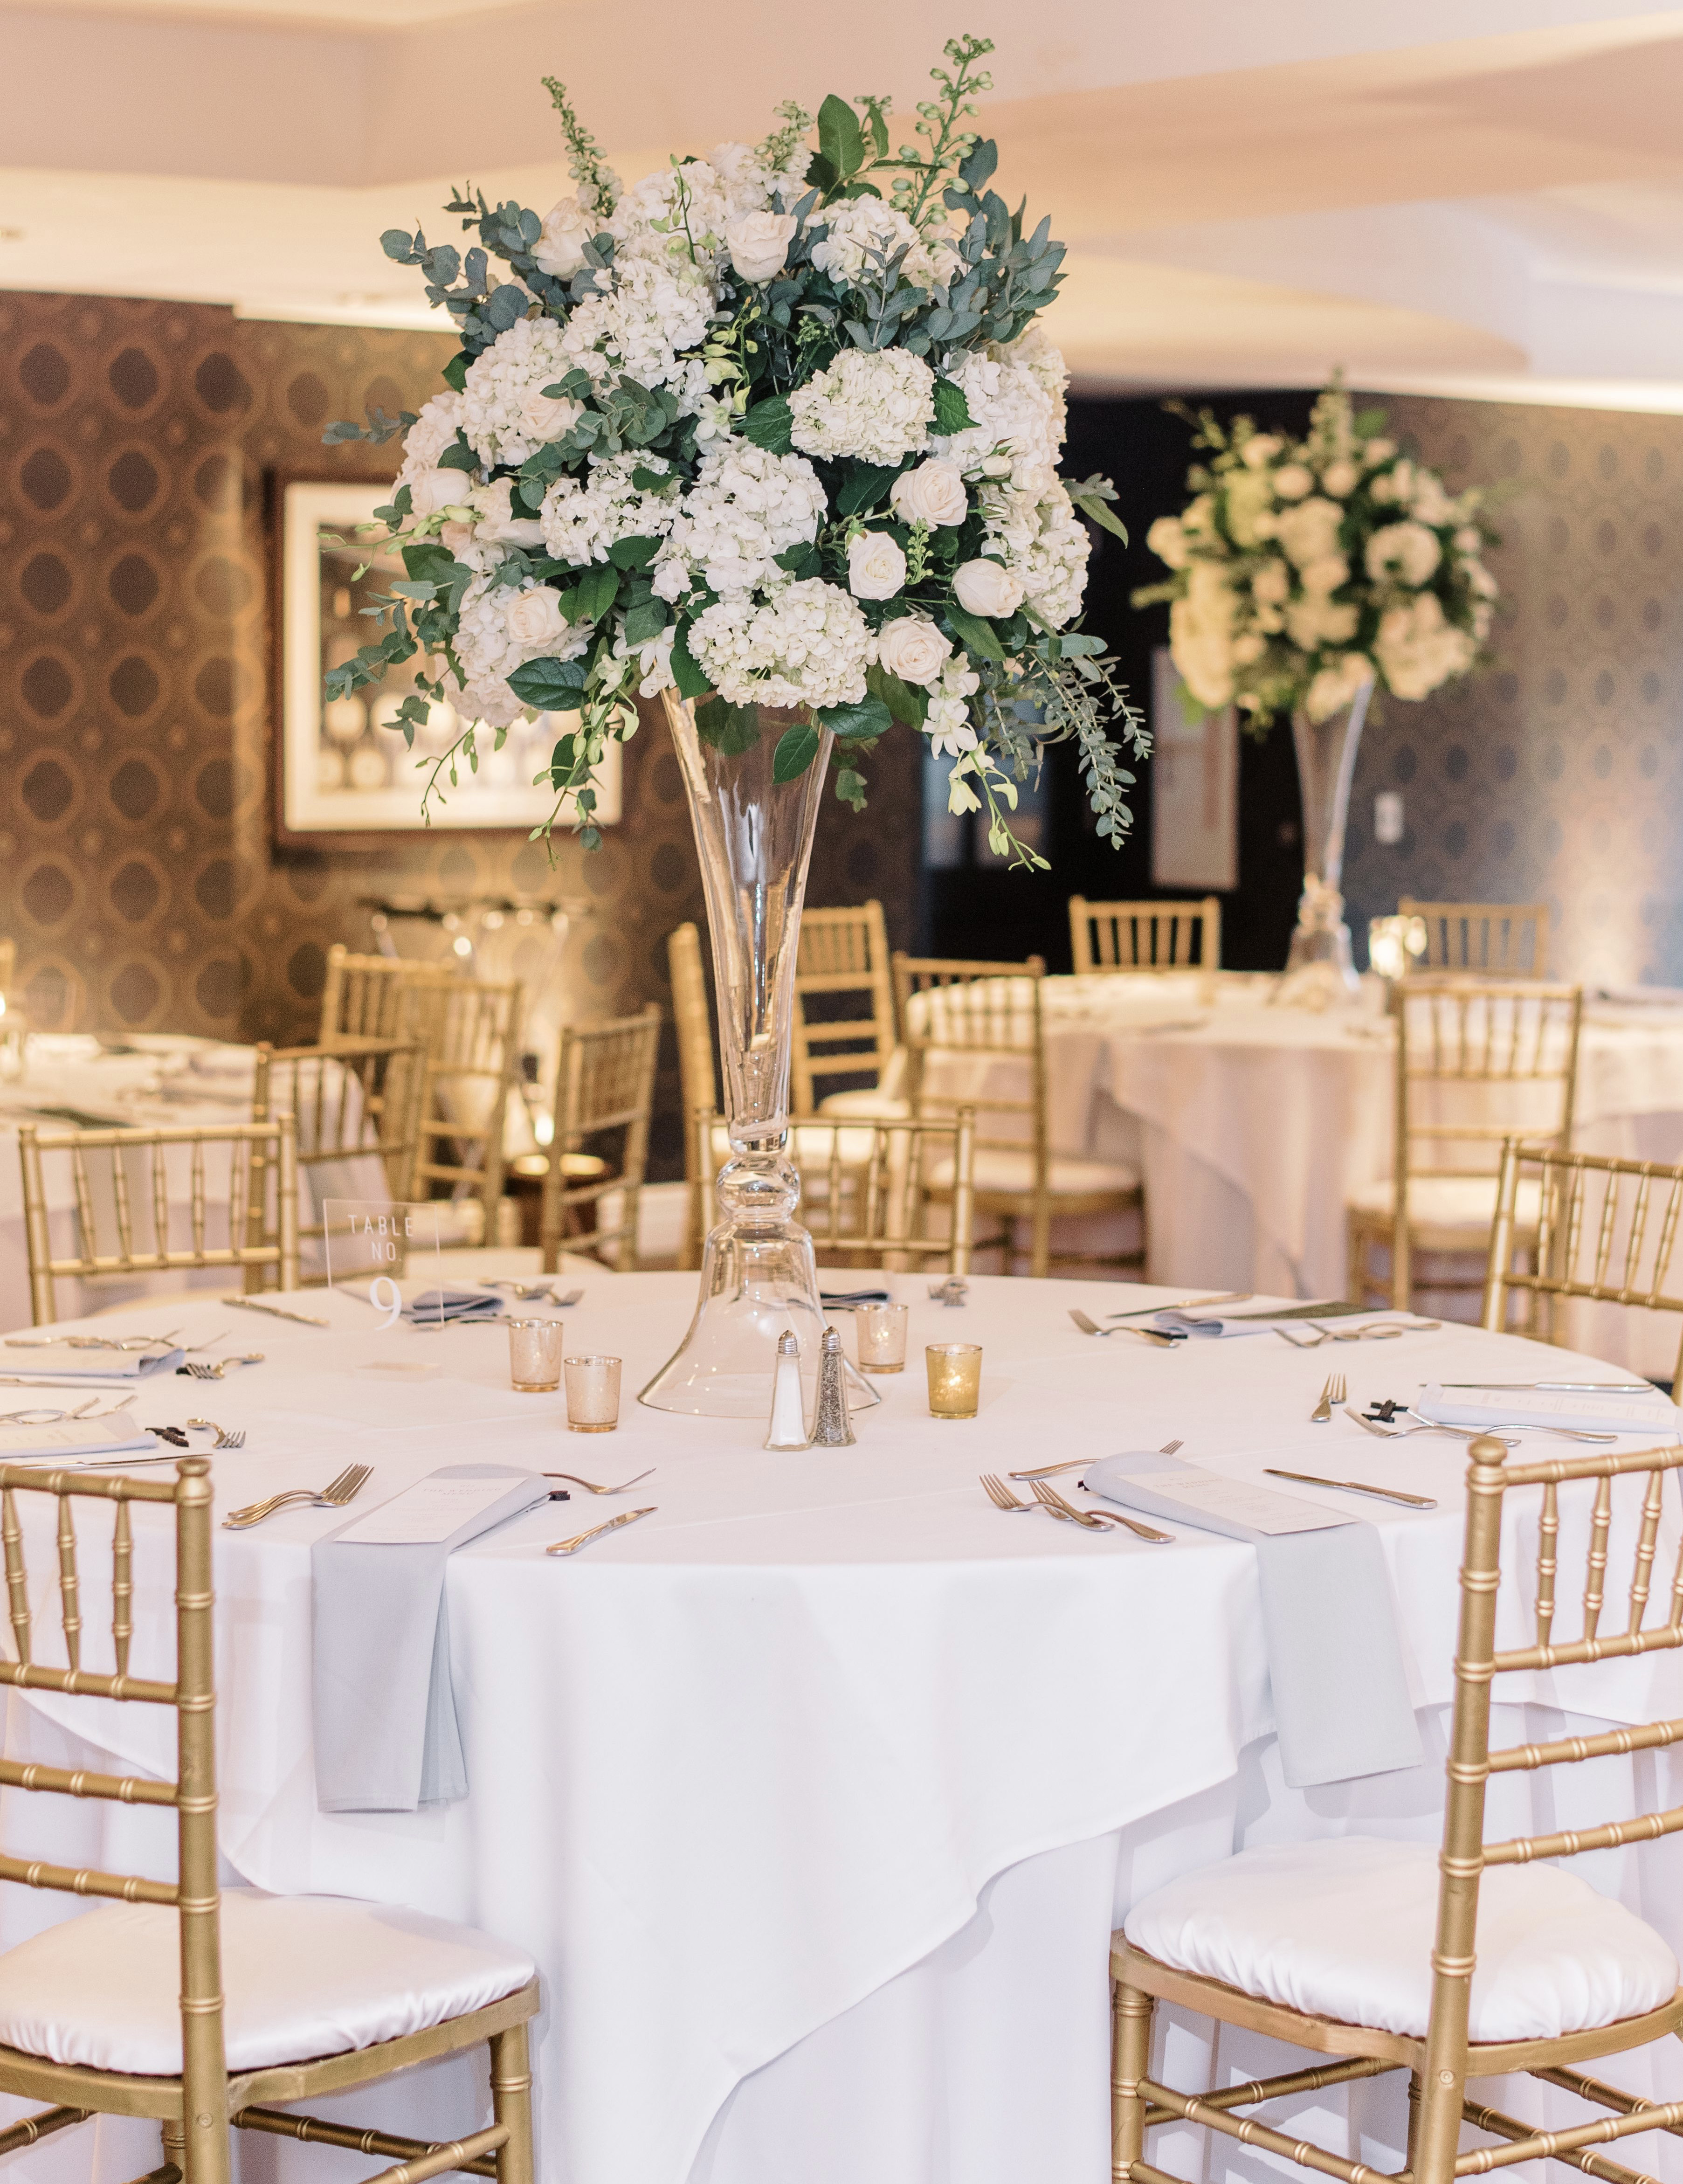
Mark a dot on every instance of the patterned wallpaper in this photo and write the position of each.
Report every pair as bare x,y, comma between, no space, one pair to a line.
136,854
1556,775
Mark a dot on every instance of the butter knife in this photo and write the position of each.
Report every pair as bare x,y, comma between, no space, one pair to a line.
1355,1486
277,1311
582,1538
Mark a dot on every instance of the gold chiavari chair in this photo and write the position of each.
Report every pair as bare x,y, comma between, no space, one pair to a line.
1146,936
697,1081
1280,1945
976,1036
605,1085
203,2008
352,1104
1480,939
362,997
135,1176
868,1188
8,963
1600,1230
1477,1062
470,1032
841,953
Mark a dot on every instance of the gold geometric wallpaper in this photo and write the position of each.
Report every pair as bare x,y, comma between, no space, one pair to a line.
135,854
1555,774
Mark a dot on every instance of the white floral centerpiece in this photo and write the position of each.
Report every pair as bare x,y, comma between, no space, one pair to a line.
1307,574
1303,570
776,428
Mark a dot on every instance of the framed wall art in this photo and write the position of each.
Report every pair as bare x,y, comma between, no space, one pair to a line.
339,772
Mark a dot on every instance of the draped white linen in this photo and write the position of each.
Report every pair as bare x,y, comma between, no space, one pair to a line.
816,1794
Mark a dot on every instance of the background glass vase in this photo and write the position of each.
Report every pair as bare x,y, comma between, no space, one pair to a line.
1320,967
754,836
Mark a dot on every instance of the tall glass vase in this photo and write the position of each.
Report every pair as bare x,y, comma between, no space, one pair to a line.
1320,968
754,834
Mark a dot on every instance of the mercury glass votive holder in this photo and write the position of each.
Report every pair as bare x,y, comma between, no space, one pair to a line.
535,1347
882,1337
593,1394
955,1377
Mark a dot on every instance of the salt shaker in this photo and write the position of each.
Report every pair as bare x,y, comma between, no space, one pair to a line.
788,1428
830,1426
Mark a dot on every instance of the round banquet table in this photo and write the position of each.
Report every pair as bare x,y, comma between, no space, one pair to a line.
816,1794
1253,1126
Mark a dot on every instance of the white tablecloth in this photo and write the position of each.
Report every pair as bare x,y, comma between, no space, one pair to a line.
816,1794
1254,1125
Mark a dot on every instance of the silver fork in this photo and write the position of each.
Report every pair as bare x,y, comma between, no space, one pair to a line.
334,1495
220,1368
1002,1497
1146,1333
1081,1462
1402,1433
1095,1520
1333,1392
224,1437
590,1488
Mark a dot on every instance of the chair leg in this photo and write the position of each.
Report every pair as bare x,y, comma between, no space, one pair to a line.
511,2104
1131,2056
1413,2119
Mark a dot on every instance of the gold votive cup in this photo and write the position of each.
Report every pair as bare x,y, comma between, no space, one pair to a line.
882,1337
955,1377
593,1394
535,1347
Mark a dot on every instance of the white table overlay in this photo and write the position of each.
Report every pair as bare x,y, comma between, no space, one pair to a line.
817,1794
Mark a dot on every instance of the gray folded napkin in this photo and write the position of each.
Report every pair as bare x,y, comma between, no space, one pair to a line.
1579,1411
1335,1666
74,1440
387,1737
1225,1325
433,1307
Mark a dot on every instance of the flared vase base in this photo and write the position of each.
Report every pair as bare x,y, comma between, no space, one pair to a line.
1320,971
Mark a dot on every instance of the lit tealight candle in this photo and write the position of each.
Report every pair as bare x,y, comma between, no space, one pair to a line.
535,1347
955,1377
593,1394
881,1336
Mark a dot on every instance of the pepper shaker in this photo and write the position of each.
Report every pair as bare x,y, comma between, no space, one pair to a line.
830,1425
787,1427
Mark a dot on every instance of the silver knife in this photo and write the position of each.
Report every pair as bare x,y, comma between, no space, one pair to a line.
1354,1486
1563,1387
1185,1304
277,1311
582,1539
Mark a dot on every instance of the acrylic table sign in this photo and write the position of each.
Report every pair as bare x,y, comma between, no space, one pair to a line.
373,1244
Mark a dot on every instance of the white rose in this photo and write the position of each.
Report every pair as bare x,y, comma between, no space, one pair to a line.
494,505
913,649
559,251
933,493
534,619
1338,479
1375,452
759,243
1166,538
456,537
983,587
1407,550
876,567
1292,482
549,416
431,492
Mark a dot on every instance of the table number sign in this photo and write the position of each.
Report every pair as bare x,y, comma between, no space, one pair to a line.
372,1244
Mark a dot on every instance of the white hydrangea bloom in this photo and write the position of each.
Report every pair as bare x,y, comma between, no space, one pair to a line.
528,357
1043,541
583,516
1336,684
861,226
1314,621
1417,649
1309,531
489,651
656,308
745,506
1408,551
806,645
1200,628
681,213
874,404
433,432
947,722
1016,396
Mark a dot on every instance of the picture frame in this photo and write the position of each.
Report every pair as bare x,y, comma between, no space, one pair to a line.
338,776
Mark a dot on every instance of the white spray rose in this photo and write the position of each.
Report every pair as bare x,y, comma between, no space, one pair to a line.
876,567
983,587
534,619
1405,550
1292,482
933,493
567,227
431,492
759,243
913,649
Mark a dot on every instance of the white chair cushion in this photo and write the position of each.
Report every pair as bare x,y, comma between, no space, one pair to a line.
867,1106
1450,1201
1002,1168
1344,1930
303,1975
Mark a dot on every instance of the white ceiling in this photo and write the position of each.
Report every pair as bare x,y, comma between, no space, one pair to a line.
1477,195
